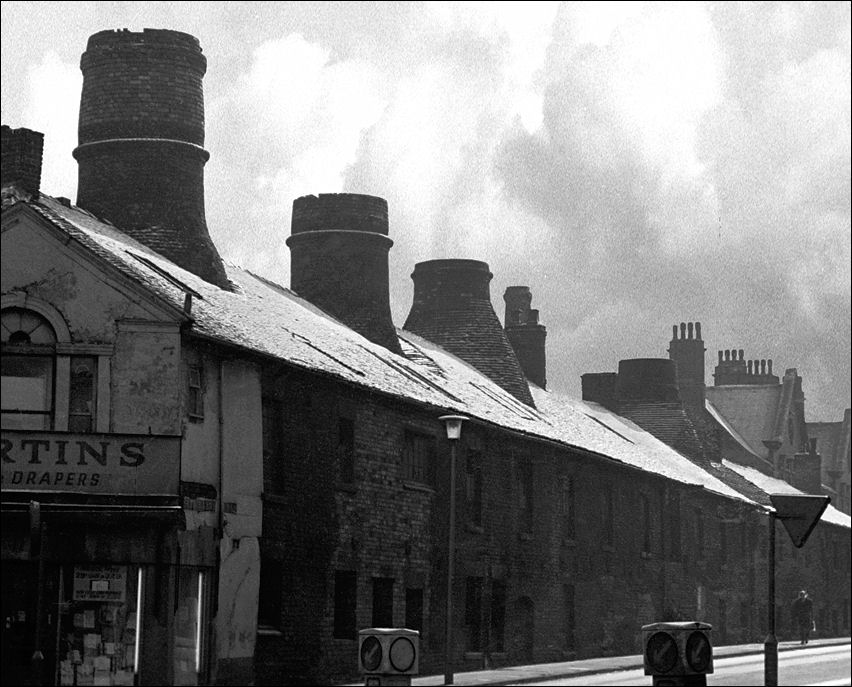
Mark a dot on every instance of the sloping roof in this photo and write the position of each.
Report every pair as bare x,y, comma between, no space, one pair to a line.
720,419
773,485
666,421
270,320
751,409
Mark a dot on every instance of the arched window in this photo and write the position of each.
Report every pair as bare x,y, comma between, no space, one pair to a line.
50,383
29,370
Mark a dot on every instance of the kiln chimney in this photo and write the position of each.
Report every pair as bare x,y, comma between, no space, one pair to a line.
452,307
141,143
339,261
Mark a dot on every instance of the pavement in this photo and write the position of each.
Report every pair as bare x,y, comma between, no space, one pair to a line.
541,672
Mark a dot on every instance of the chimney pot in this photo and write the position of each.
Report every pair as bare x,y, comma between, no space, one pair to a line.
698,330
525,334
689,330
674,332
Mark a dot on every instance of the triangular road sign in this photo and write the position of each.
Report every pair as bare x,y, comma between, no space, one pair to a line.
799,513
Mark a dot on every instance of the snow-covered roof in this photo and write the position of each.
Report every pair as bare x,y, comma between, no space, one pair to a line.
270,320
773,485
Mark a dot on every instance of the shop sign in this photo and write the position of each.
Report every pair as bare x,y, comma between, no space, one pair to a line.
105,583
90,463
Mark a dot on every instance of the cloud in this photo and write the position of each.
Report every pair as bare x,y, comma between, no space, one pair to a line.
52,105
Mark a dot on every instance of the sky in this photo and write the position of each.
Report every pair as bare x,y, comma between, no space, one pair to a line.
637,165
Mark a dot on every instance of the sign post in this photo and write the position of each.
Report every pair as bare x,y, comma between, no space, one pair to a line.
799,513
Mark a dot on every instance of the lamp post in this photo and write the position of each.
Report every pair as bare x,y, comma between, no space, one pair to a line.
453,425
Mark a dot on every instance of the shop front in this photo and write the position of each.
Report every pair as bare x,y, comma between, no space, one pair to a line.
95,590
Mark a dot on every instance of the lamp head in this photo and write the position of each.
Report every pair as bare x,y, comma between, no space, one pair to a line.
453,425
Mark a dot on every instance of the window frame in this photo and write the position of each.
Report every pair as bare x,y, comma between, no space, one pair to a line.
62,352
409,460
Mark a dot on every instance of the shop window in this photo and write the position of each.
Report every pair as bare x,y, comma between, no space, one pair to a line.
383,601
473,613
418,458
100,625
345,604
269,598
28,369
195,392
473,486
346,448
188,627
414,610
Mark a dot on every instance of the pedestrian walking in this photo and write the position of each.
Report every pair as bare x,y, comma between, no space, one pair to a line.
803,616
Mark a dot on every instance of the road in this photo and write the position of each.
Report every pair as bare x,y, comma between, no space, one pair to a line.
820,667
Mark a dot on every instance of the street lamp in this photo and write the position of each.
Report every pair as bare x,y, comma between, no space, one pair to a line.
453,425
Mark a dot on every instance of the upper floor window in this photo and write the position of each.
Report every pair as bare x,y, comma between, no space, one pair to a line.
473,486
608,516
346,448
418,458
28,370
568,508
525,494
646,523
48,382
195,395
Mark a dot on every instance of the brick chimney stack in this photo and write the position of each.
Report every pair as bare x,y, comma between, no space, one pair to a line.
525,334
688,352
452,307
21,159
141,149
339,261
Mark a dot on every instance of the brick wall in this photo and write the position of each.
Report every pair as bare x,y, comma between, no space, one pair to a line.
381,526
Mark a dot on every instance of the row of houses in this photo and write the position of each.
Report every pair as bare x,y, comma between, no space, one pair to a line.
210,478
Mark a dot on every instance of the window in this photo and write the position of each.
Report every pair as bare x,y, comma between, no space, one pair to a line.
27,370
346,448
81,402
345,604
418,458
383,602
195,393
569,517
269,599
608,516
699,533
414,610
498,614
473,613
646,523
525,494
473,486
568,615
674,526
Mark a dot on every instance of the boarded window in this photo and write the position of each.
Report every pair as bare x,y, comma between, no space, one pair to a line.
345,604
418,458
269,599
414,610
346,448
568,508
498,615
525,494
473,613
568,615
473,486
382,602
